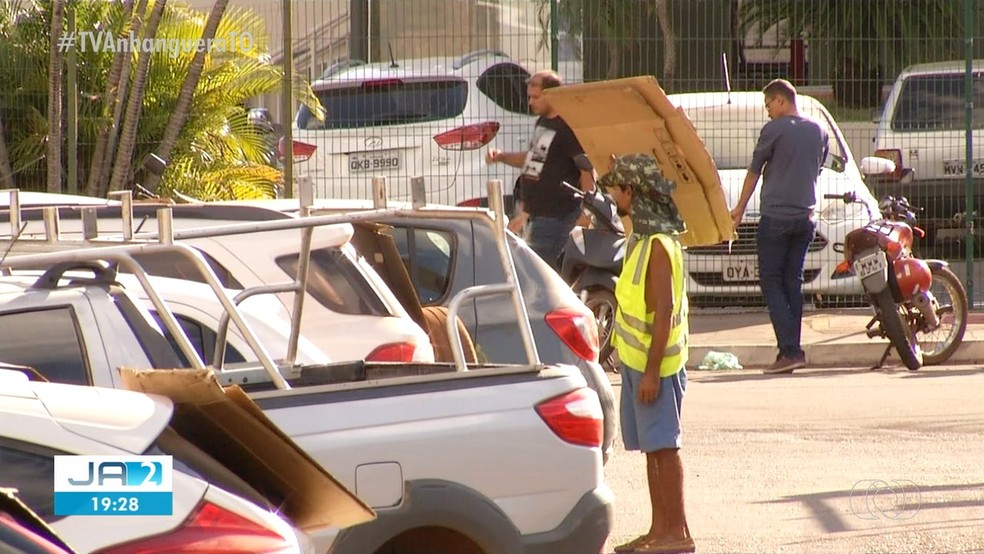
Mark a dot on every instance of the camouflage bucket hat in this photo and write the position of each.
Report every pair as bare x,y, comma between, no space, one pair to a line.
653,209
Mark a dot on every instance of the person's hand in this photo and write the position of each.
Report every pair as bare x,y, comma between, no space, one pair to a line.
736,215
492,155
648,387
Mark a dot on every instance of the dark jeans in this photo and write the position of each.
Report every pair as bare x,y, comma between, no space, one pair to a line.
782,245
547,235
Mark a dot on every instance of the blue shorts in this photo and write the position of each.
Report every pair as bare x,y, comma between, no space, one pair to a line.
655,426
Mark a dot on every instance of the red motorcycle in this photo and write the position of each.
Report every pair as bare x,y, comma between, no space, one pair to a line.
920,305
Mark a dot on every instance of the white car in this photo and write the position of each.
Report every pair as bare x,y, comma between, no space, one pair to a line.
729,124
428,117
40,420
923,130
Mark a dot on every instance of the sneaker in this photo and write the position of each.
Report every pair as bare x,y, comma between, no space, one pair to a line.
785,365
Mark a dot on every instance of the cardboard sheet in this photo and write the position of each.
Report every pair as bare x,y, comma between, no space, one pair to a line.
231,428
633,115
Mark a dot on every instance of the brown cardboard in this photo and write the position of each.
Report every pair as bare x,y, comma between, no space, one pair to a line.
633,115
230,427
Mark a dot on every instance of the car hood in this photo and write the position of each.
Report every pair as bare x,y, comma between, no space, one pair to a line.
830,182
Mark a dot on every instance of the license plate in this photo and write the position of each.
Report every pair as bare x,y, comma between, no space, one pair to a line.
383,160
870,264
955,168
741,271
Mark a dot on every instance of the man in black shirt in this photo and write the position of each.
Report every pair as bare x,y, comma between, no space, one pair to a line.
551,208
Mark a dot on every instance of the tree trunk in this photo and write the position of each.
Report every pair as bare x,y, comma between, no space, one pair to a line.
6,172
128,136
669,44
54,144
183,105
112,100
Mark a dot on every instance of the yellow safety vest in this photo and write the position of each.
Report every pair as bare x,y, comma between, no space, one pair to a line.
632,334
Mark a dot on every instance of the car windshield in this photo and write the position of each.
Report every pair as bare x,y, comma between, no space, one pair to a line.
391,102
730,135
936,103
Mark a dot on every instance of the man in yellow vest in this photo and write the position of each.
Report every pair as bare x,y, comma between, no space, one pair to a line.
650,336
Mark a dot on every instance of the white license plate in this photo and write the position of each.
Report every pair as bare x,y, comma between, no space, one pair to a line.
955,168
741,271
383,160
870,264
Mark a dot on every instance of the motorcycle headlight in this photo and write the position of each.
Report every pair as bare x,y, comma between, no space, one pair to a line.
839,211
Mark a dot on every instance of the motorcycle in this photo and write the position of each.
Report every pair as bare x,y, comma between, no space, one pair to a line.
920,305
591,262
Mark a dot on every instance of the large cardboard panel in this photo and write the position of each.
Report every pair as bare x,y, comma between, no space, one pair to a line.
230,427
633,115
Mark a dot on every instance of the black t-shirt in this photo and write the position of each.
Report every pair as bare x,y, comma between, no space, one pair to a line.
549,162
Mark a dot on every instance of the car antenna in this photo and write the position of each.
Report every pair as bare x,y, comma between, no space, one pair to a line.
727,78
393,64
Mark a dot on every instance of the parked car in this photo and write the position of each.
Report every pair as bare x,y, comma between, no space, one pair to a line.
40,420
729,124
922,129
427,117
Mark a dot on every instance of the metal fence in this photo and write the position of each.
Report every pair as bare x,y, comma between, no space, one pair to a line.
425,87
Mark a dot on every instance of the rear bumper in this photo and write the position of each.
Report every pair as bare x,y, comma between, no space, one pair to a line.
583,531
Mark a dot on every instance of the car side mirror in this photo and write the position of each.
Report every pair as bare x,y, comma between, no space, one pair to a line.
874,165
876,115
583,162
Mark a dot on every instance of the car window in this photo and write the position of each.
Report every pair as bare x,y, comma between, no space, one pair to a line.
387,102
336,283
47,340
30,468
936,103
427,255
505,84
202,338
178,266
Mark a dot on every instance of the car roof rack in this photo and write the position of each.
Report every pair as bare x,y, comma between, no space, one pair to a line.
97,252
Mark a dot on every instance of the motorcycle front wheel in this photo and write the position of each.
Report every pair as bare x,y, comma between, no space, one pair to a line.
602,304
940,343
897,329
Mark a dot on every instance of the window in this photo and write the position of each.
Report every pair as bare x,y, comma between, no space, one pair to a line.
388,102
178,266
427,256
505,84
30,468
202,339
335,282
47,340
936,103
151,338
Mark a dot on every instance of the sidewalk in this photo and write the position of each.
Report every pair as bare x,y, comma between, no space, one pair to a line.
831,338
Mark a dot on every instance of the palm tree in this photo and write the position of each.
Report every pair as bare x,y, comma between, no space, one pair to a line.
54,143
860,38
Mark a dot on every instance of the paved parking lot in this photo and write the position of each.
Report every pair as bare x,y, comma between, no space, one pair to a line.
828,460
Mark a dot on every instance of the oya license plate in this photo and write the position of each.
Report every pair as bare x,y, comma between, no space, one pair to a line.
740,271
383,160
870,264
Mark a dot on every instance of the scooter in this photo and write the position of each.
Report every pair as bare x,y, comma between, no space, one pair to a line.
920,305
591,262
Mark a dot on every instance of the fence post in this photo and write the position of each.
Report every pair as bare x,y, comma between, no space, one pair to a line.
969,201
72,107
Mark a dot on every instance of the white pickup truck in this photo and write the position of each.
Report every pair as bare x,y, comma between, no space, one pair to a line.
483,459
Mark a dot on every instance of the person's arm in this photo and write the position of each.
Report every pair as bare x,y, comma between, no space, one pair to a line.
659,300
514,159
760,156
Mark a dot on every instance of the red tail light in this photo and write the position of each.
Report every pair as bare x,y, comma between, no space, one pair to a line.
471,203
302,150
575,417
394,352
379,83
896,156
578,329
468,137
209,529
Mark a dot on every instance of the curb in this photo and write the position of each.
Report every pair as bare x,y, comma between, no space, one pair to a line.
860,354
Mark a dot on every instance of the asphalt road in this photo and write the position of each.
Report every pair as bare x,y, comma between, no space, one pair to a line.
824,461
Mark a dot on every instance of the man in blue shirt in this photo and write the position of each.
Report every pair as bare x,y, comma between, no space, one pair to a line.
788,156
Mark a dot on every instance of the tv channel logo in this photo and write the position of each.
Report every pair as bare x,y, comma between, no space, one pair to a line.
113,485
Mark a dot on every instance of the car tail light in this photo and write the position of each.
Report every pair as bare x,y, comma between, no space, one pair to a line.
302,150
895,155
468,137
575,417
472,203
394,352
578,329
378,83
209,529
